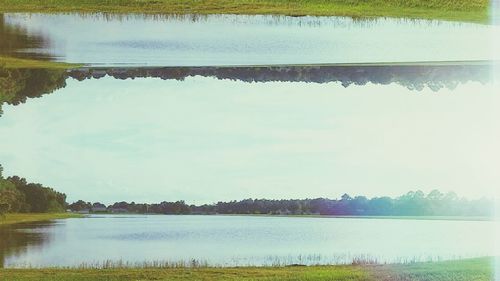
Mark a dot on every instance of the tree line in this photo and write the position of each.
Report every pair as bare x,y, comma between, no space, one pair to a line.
19,196
413,203
18,85
414,77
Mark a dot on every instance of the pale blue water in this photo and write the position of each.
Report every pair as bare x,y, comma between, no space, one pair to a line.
250,40
241,240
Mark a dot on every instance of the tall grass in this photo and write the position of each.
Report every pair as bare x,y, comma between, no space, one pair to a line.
271,261
118,264
463,270
460,10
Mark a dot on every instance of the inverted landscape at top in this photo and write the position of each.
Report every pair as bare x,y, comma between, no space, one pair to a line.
230,40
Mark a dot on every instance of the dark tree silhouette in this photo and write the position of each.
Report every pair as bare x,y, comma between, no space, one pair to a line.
413,203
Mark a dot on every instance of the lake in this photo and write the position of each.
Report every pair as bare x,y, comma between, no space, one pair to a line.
241,240
240,40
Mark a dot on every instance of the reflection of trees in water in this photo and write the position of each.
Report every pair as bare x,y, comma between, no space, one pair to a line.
17,85
14,40
16,239
414,77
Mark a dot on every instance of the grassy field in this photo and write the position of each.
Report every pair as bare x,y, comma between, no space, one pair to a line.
19,218
10,62
458,10
466,270
481,269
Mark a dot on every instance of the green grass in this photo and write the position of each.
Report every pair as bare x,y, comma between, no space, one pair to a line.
19,218
250,273
457,10
470,270
10,62
481,269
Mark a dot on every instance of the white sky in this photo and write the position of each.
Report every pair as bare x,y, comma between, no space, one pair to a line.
204,140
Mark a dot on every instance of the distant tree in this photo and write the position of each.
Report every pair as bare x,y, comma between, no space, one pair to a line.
100,205
345,197
359,205
412,203
79,206
381,206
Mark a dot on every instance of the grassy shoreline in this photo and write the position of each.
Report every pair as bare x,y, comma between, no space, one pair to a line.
11,62
454,10
432,218
479,269
32,217
22,63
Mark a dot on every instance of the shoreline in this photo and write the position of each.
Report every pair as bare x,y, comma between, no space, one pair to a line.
431,218
479,269
25,63
10,62
16,218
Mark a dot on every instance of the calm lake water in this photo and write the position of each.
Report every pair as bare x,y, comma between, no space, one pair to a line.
241,40
240,240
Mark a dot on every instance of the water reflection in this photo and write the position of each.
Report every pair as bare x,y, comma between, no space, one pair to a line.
258,240
100,39
17,239
17,42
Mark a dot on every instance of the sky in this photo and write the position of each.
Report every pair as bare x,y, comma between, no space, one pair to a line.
203,140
